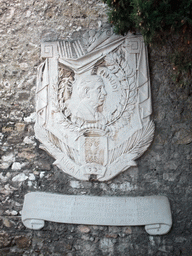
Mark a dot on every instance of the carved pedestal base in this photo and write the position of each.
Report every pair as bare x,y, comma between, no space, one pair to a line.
152,211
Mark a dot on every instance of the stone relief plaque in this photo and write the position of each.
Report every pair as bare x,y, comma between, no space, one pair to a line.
93,116
94,103
152,211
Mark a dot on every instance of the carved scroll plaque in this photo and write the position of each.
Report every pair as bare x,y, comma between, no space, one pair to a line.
94,103
151,211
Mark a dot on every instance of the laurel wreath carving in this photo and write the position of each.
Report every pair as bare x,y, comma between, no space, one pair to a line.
120,75
118,66
136,145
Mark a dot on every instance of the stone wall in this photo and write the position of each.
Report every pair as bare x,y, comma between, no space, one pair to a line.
165,169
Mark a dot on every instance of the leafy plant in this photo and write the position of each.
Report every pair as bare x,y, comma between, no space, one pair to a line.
158,20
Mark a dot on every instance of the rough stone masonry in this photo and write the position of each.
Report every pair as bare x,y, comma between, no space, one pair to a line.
165,169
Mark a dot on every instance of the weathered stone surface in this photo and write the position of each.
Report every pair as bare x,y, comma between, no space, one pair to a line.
84,229
183,137
19,177
107,246
16,166
128,230
165,169
5,239
26,154
20,127
7,160
23,242
6,222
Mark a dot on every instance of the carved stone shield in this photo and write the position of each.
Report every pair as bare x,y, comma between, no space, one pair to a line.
94,103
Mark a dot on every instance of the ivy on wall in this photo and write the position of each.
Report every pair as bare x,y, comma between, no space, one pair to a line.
158,20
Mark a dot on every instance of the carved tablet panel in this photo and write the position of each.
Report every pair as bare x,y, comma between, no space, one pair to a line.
94,103
152,211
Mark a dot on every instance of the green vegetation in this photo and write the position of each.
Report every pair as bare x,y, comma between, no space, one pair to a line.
158,20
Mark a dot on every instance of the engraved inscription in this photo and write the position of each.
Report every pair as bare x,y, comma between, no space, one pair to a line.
119,211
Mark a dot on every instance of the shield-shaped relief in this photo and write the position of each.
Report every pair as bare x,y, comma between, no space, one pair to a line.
94,103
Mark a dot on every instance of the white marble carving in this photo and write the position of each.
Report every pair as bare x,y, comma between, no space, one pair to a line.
94,103
152,211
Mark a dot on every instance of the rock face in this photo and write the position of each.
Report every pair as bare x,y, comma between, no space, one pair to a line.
163,170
